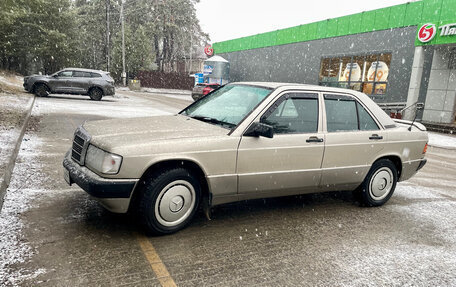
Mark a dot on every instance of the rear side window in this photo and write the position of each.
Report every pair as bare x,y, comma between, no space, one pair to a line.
366,122
78,74
344,113
87,75
96,75
293,113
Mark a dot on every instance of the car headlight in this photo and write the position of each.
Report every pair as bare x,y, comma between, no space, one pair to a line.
102,161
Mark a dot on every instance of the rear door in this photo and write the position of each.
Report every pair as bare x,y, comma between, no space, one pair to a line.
80,81
288,163
353,141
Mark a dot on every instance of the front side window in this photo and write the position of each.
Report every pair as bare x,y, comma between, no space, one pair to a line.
65,74
344,113
227,106
293,113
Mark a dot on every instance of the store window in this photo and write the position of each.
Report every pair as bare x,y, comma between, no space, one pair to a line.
366,73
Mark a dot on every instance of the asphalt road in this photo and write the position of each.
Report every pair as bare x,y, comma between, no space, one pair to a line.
61,237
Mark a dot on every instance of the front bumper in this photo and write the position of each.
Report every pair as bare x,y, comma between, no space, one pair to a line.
113,194
26,87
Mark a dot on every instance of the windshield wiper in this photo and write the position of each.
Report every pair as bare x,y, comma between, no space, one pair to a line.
213,121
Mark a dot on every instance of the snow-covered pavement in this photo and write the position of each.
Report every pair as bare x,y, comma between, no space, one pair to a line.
56,235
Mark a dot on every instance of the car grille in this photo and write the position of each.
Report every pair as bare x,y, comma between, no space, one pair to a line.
80,144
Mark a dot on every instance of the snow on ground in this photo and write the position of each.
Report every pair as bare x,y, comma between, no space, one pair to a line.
10,83
442,140
13,249
7,136
120,106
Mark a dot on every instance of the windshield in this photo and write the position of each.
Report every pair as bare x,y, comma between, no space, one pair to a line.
228,105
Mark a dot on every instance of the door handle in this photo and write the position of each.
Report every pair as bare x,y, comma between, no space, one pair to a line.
375,137
314,140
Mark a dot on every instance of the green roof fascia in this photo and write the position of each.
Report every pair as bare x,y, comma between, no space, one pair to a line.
409,14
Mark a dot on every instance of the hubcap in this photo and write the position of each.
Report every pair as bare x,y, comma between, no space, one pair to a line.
381,183
175,203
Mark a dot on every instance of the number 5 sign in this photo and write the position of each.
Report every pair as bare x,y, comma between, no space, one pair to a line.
208,50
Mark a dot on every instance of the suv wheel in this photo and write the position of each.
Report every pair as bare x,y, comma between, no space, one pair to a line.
95,94
169,201
379,184
42,90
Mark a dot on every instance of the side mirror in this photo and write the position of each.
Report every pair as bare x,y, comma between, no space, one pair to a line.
55,76
260,129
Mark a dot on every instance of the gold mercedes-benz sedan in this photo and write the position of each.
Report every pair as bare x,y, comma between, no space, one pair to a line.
244,141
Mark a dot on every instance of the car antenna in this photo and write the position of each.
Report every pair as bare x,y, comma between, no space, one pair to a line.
410,127
418,107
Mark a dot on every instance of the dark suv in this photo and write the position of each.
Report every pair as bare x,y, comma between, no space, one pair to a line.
93,83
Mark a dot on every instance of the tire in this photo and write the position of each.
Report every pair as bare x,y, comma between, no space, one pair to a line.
379,184
95,94
41,90
169,201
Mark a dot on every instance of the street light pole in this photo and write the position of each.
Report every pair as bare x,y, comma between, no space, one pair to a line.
107,35
124,74
191,50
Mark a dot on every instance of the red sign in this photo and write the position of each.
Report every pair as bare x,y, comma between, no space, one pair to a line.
427,32
208,50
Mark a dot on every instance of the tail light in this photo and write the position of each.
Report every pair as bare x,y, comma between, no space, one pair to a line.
207,90
425,148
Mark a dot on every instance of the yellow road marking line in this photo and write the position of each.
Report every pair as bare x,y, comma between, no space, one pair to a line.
155,262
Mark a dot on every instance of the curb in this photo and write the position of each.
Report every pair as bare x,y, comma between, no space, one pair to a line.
12,160
442,147
165,91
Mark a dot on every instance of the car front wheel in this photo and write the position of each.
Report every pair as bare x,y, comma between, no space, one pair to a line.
42,90
379,184
169,201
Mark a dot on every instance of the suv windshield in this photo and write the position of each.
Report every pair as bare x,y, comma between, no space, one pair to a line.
228,105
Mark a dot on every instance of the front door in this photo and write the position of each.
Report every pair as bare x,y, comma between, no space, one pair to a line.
290,162
60,83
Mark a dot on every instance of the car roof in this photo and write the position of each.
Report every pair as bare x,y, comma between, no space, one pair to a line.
85,70
384,119
276,85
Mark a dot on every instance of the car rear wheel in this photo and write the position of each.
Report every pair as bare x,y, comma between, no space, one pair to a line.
379,184
95,94
42,90
169,201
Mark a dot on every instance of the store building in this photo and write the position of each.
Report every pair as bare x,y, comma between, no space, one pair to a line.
400,56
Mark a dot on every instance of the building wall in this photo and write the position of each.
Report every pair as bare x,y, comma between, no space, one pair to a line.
441,90
300,62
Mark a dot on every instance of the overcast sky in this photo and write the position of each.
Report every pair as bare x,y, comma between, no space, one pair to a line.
230,19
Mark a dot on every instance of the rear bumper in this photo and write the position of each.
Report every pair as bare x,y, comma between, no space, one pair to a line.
109,91
113,194
410,168
196,97
422,163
